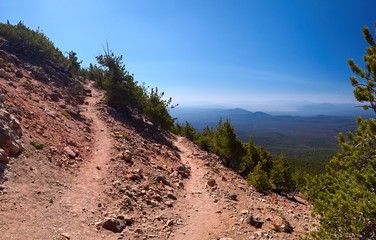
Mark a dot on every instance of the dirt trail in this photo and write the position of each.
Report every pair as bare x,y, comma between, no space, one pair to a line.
86,190
199,212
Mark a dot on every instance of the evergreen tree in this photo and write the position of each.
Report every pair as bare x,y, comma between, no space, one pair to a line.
365,91
204,139
74,66
259,179
188,131
281,175
124,93
229,145
251,159
345,195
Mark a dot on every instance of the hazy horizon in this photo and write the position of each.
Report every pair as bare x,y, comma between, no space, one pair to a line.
305,108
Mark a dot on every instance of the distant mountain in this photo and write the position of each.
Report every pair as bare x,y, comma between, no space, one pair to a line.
311,109
311,138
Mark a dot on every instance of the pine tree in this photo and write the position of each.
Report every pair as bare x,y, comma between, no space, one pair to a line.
259,179
366,92
281,175
345,195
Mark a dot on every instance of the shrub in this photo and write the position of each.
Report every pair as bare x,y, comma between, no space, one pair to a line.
124,93
37,145
32,45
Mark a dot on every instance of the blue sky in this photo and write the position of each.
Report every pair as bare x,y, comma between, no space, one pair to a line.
247,53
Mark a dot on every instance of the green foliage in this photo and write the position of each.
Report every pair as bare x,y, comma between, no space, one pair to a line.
74,66
254,162
281,175
67,115
157,109
186,131
365,91
254,156
345,195
259,179
204,139
124,93
37,145
224,142
32,45
228,145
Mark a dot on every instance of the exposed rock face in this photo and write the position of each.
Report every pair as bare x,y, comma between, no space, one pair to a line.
10,133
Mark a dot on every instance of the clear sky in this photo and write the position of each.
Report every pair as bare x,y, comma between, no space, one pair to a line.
227,52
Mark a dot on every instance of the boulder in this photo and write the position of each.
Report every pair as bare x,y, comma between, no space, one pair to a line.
9,57
10,133
4,74
114,224
3,156
39,74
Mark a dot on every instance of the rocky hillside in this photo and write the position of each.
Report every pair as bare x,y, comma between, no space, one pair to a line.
73,168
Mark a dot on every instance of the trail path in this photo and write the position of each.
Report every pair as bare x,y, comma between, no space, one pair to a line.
86,190
198,208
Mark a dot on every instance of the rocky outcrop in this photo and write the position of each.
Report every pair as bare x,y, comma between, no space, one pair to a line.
10,135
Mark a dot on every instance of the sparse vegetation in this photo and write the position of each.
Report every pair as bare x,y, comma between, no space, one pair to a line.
32,45
67,115
124,93
256,164
37,145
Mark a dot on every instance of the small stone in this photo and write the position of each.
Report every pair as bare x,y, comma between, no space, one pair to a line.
19,74
257,222
162,179
171,196
70,152
233,197
134,177
169,203
211,182
170,222
65,236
